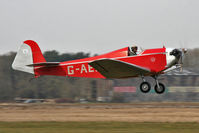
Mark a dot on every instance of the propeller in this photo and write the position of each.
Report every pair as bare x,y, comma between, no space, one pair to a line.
183,51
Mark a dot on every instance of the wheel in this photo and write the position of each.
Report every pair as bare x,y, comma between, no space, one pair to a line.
161,89
145,87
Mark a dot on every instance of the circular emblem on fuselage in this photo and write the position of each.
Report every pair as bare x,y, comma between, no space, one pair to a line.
25,51
152,59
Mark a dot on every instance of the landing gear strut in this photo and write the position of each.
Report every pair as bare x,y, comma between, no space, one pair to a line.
159,87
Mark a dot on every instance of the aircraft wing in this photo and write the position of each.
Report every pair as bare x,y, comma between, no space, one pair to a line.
110,68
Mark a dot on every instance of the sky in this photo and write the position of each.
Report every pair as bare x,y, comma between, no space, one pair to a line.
98,26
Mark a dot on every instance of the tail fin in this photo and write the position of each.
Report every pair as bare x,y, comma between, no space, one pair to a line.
29,53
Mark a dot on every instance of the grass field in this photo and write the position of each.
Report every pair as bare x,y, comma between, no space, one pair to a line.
100,118
136,112
97,127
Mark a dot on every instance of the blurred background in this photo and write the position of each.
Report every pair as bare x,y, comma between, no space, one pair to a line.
18,86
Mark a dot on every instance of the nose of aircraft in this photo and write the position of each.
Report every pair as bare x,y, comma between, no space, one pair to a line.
179,54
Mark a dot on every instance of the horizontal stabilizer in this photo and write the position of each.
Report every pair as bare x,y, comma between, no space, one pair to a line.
44,64
110,68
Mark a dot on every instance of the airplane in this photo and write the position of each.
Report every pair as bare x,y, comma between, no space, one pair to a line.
118,64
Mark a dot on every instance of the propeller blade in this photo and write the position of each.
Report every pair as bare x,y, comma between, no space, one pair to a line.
181,69
183,51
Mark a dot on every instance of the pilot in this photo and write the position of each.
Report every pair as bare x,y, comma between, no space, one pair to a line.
133,50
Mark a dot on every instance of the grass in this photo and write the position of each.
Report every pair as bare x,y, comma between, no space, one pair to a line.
97,127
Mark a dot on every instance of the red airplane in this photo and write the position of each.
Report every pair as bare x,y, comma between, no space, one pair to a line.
122,63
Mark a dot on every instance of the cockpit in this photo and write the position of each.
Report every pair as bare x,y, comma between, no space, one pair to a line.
133,50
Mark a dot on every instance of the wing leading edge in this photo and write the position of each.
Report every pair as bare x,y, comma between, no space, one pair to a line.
110,68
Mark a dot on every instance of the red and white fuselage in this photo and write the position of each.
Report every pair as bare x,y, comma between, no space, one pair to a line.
154,60
113,65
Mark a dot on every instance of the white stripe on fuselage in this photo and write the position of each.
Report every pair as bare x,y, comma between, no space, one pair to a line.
112,58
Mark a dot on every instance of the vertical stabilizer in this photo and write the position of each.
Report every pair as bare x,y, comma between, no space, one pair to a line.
28,53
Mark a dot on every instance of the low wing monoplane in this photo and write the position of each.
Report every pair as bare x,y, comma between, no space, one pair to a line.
118,64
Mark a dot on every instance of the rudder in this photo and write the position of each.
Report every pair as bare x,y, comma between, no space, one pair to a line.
28,53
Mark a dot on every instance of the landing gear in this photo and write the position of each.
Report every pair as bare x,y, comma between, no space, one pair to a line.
145,87
160,89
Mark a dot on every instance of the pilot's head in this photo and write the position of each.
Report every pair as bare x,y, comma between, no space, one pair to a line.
134,48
